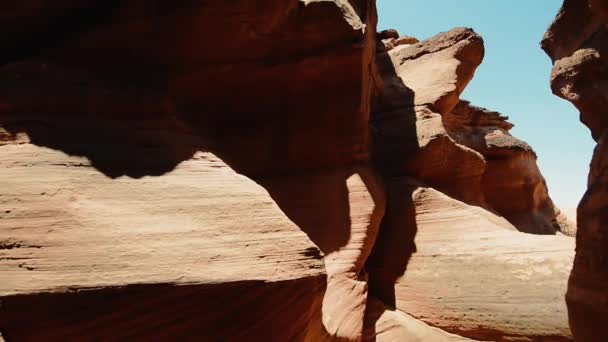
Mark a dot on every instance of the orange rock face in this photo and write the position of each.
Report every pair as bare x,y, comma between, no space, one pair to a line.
423,130
122,126
270,171
472,271
577,42
490,193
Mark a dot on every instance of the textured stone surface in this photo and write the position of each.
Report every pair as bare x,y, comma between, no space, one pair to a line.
452,167
163,178
420,82
214,76
406,40
438,69
340,210
426,236
395,325
71,236
474,275
577,42
120,130
512,183
422,129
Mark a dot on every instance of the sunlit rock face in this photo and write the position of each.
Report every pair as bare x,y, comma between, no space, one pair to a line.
175,169
422,129
269,170
461,190
577,42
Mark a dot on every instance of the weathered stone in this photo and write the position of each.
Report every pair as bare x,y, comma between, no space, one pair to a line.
388,34
422,129
577,42
406,40
388,324
120,139
471,273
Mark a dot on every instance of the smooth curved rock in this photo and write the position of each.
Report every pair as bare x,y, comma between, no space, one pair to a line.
438,69
213,77
473,275
91,252
115,125
394,325
421,129
128,130
421,82
455,168
340,210
577,42
587,298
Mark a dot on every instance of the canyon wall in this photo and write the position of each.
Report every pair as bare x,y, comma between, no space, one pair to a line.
132,137
577,43
463,194
424,130
274,171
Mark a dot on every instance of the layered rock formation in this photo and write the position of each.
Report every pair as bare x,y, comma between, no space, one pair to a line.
460,189
83,255
423,129
122,123
577,42
472,274
292,176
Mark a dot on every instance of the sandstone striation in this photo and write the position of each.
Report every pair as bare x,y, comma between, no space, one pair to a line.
490,192
395,325
512,184
77,246
462,150
577,42
491,298
274,171
122,126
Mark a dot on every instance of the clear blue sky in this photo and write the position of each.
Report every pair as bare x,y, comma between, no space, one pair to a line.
513,78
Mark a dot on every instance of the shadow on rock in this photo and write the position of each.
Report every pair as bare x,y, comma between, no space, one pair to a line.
124,130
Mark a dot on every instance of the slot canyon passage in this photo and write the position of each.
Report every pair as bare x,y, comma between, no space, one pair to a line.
278,170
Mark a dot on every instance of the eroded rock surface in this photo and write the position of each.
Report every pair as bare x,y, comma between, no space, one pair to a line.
512,184
389,324
122,126
472,273
422,129
490,192
271,180
577,42
91,254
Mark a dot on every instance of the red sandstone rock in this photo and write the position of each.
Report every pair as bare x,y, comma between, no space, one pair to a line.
577,42
406,40
340,211
421,82
259,130
86,256
437,70
122,125
472,274
455,168
463,150
512,183
120,207
388,34
395,325
426,237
